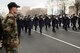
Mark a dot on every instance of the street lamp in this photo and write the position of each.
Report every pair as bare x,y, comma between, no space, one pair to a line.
52,6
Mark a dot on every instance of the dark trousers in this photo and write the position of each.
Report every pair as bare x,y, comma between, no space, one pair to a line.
60,23
57,26
40,29
74,27
22,27
49,25
53,28
79,26
26,28
19,31
65,26
46,27
68,25
35,28
29,31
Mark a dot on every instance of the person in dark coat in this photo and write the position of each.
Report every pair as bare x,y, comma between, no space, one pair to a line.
79,22
53,23
49,22
22,23
30,24
41,23
74,21
65,22
68,22
26,24
1,30
35,22
46,21
60,20
57,22
19,24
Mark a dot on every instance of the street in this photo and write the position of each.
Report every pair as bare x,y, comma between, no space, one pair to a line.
40,26
48,42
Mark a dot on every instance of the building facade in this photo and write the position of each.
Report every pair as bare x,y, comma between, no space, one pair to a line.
59,6
72,9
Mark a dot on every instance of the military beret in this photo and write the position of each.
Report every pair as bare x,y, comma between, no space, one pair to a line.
12,4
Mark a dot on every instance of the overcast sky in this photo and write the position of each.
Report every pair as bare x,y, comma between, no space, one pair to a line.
31,3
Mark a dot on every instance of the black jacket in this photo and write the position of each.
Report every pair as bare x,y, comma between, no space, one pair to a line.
35,21
30,23
46,20
65,20
74,19
41,22
20,22
53,21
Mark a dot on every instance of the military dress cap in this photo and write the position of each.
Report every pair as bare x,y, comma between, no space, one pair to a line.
12,4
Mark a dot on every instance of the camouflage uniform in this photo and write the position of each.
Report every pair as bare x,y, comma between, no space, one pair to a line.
10,32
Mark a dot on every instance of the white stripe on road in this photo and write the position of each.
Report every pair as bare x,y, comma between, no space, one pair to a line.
59,40
71,31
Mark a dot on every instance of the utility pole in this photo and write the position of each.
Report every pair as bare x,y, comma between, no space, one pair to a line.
52,6
63,7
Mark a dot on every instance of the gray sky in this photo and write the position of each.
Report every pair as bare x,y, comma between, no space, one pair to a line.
31,3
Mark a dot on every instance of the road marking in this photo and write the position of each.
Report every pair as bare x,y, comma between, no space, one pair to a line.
59,40
71,31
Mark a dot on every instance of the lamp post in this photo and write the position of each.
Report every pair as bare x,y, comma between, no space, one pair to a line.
52,6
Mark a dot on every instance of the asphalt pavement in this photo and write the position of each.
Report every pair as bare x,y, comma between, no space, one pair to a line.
48,42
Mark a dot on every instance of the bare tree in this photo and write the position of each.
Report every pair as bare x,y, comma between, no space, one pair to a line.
38,11
77,4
